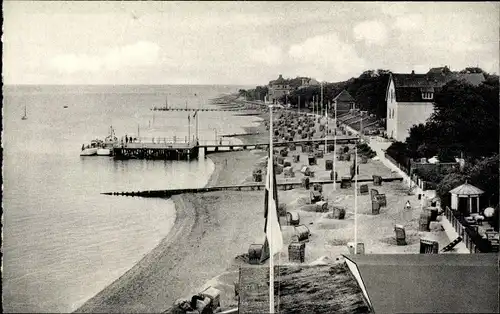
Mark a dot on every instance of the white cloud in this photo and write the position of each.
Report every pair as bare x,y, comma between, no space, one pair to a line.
326,56
136,55
372,32
409,22
270,55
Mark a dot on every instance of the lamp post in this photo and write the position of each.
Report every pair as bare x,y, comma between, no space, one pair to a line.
215,130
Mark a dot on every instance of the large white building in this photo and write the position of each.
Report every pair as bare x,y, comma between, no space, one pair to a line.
410,97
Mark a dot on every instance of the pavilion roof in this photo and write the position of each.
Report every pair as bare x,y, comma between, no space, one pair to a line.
466,189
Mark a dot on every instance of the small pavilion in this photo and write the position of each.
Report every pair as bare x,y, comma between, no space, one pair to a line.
465,198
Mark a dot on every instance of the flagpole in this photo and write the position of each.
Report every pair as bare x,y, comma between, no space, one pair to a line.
334,145
270,230
189,128
322,106
356,200
326,132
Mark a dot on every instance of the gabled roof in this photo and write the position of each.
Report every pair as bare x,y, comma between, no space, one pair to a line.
344,96
409,87
466,189
429,283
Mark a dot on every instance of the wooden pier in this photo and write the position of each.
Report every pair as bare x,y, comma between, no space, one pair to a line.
171,150
245,187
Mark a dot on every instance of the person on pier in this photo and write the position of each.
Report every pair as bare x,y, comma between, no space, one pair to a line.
126,139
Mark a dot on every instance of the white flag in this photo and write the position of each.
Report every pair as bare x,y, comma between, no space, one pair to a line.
273,229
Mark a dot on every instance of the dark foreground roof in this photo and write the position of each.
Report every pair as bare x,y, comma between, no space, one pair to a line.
302,289
430,283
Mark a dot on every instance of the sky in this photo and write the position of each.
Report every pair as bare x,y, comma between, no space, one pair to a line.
240,43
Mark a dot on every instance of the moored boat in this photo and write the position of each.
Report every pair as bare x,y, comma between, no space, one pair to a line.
106,147
90,150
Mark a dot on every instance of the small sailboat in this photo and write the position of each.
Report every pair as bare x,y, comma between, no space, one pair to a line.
25,117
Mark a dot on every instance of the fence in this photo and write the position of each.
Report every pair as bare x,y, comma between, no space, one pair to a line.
400,166
472,239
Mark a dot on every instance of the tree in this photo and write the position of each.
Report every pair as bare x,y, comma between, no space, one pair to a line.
484,175
472,70
465,120
449,182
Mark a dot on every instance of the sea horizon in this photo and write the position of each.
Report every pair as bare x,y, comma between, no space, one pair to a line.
64,241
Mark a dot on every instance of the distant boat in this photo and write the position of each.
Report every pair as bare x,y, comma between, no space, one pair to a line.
65,106
25,117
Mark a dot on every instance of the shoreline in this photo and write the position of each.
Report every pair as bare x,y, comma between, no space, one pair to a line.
155,271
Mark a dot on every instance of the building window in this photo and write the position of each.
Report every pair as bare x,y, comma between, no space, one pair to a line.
427,95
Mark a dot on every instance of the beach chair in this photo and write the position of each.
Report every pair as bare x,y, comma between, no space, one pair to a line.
302,234
345,182
429,246
328,164
312,159
315,196
287,163
360,249
377,180
363,189
305,170
319,154
296,252
322,206
318,187
293,218
289,173
400,235
254,254
424,221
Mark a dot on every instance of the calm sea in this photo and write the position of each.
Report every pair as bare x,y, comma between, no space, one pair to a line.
63,241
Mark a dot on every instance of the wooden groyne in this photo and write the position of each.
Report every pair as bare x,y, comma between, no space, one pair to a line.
245,187
213,148
194,109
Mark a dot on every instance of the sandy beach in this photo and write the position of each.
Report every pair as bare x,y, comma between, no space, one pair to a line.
201,247
212,229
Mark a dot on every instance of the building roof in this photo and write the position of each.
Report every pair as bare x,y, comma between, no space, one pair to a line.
409,87
280,80
466,189
430,283
344,96
302,289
